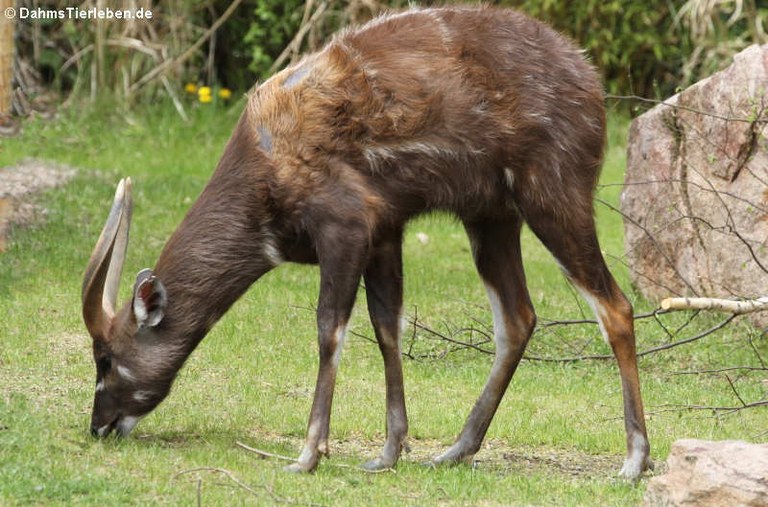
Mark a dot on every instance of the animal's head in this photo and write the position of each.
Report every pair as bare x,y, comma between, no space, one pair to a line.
129,380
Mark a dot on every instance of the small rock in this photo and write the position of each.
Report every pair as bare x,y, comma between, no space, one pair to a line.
712,474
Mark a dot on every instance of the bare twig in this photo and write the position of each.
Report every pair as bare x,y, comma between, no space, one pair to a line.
710,408
735,392
265,454
720,305
684,108
689,340
244,486
149,76
646,352
721,370
295,45
442,336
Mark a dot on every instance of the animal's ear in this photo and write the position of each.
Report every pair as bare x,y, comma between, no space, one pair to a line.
149,299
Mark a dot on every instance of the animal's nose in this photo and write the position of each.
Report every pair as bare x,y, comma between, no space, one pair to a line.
100,431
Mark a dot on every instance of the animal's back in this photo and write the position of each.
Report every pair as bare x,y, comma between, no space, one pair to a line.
459,108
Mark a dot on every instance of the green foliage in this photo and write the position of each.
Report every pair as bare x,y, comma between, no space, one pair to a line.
274,24
647,48
635,44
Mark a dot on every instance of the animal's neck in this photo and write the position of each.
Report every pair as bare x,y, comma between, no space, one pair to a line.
222,246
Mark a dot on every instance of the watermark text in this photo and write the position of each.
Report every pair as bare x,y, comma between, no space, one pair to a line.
77,13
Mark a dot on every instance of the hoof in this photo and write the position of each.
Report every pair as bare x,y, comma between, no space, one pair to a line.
298,468
633,469
450,459
377,465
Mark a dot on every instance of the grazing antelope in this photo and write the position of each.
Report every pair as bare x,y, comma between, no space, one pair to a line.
481,112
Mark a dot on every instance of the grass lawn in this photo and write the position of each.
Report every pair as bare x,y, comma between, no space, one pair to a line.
557,439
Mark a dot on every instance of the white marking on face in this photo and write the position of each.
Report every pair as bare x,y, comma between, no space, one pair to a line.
125,373
100,386
142,396
126,424
103,430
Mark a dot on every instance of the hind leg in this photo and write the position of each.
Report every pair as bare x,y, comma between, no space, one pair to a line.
572,239
496,250
384,290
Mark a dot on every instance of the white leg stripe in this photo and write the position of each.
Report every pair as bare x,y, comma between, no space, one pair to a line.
340,336
597,309
499,325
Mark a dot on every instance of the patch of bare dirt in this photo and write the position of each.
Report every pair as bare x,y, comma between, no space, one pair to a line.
495,456
20,184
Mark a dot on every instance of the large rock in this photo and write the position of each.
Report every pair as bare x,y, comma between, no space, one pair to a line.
696,189
712,474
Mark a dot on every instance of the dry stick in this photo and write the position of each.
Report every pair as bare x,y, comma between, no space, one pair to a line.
265,454
684,108
149,76
721,370
712,408
295,44
720,305
452,340
245,486
639,354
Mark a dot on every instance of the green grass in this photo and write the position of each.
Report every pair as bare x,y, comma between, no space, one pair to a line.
556,440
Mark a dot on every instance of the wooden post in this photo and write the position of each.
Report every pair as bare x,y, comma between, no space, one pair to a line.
6,55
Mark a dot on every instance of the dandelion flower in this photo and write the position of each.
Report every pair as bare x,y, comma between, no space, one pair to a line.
205,99
225,94
204,91
191,88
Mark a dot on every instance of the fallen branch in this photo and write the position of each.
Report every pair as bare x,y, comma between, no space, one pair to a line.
639,354
265,454
719,305
721,370
709,408
666,103
274,498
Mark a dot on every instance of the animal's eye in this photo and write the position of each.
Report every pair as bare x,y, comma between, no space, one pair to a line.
104,364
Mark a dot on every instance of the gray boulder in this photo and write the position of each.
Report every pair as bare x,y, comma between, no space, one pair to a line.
696,190
712,474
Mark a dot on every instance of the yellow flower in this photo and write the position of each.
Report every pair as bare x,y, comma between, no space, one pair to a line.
225,93
204,91
205,99
191,88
